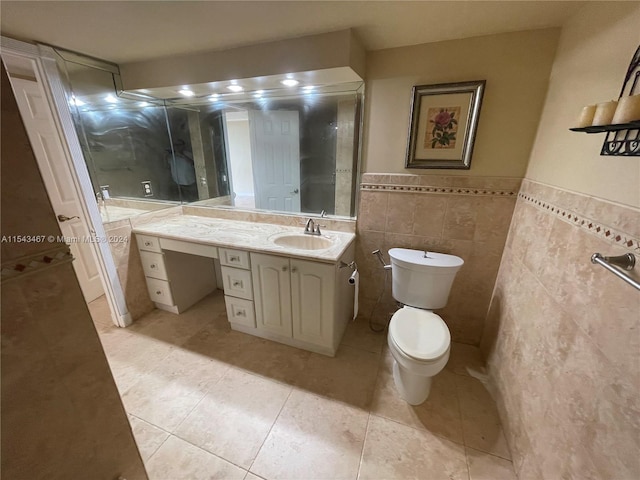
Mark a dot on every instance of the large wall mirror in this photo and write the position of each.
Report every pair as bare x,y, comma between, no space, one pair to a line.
266,143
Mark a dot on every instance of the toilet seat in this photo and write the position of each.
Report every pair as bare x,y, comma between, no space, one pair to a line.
420,334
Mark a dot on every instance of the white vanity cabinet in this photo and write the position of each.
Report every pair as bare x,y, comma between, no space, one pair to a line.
178,274
238,288
289,294
300,302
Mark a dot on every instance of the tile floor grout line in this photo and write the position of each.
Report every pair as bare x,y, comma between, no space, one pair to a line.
364,440
154,452
466,461
209,452
206,392
464,440
270,429
488,453
150,423
418,429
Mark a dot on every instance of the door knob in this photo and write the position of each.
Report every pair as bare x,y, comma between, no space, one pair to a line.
295,191
64,218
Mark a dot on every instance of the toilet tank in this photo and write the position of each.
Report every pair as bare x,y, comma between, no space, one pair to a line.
423,279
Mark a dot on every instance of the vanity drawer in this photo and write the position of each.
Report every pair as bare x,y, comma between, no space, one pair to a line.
234,258
240,311
237,283
153,265
189,247
159,291
145,242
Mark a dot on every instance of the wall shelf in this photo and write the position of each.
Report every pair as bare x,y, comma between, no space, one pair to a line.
608,128
622,139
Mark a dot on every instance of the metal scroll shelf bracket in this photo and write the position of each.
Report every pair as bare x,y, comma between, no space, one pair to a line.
623,139
618,265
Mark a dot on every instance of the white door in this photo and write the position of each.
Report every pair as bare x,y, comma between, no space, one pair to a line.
275,154
312,301
272,293
58,181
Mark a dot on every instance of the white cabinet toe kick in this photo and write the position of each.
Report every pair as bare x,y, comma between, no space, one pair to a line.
302,303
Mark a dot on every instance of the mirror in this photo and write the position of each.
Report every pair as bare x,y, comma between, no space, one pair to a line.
268,147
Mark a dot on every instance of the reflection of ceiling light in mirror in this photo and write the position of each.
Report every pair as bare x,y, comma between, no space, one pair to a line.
308,88
214,97
111,99
76,101
143,104
235,88
289,82
186,92
258,93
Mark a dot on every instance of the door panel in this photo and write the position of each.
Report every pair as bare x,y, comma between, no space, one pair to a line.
272,293
312,299
275,155
58,181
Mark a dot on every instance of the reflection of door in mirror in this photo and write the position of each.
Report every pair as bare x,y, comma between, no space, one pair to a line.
275,155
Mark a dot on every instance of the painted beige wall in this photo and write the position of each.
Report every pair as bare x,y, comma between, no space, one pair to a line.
595,48
312,52
516,67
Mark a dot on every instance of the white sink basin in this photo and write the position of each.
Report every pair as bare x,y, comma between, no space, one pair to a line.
303,242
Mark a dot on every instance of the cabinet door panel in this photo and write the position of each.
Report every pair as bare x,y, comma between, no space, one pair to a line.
271,290
312,299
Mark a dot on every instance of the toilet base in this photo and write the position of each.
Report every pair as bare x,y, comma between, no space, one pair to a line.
414,389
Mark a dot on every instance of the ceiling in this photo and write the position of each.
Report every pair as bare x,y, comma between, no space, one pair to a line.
128,31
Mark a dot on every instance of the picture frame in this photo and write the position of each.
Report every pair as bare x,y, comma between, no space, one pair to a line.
444,120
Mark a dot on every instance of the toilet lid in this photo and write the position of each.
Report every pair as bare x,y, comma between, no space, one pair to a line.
419,333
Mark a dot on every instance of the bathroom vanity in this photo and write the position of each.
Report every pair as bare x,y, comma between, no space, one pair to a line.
278,283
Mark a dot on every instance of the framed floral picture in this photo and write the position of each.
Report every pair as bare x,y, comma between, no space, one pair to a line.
444,119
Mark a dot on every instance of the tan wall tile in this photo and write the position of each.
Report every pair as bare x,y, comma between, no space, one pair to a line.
562,345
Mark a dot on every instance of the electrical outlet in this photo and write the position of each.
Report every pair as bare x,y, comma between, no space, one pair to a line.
146,188
104,190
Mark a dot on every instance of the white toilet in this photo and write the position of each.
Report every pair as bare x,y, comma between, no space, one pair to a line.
419,340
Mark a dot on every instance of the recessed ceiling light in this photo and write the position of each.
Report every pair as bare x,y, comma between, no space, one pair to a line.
235,88
186,92
289,82
111,99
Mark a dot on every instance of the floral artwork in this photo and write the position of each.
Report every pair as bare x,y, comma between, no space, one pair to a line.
442,128
444,120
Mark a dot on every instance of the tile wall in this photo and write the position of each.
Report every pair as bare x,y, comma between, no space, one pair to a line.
129,267
461,215
562,338
61,412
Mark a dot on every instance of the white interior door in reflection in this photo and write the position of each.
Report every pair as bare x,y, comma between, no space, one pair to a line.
275,154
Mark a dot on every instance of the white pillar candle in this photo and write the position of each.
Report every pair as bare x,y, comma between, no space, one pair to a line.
604,113
628,109
586,116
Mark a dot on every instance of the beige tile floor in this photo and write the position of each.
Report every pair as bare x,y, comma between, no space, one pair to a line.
207,402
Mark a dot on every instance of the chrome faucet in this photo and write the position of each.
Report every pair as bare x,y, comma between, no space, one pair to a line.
312,228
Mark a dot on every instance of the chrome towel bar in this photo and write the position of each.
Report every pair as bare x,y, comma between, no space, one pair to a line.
614,264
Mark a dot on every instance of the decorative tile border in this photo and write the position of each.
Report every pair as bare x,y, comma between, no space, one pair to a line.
35,263
437,190
601,230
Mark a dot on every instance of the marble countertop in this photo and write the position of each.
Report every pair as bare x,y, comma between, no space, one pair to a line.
253,237
113,213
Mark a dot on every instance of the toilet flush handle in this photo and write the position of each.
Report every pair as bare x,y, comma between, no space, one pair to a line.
380,257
